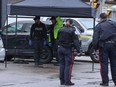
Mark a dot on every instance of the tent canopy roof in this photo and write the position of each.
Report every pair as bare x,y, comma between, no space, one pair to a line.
67,8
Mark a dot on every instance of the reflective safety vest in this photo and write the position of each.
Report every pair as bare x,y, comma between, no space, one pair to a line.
58,26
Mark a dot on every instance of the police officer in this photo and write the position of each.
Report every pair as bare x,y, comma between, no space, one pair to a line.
38,35
66,40
104,38
57,24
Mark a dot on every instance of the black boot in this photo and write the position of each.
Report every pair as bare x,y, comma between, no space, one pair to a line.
104,84
69,84
62,82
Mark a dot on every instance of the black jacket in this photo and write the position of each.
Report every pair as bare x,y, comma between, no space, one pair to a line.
51,29
38,31
66,38
104,31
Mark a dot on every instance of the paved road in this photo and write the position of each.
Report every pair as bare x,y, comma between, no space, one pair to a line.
27,75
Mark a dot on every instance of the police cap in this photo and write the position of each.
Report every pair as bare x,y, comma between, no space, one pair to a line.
70,21
103,15
37,17
53,18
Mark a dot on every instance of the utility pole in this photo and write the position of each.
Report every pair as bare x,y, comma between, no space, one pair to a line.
114,13
98,9
103,7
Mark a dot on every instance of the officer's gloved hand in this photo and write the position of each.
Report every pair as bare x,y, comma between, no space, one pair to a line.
50,44
78,54
30,42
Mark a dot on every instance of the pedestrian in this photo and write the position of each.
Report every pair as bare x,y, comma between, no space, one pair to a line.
66,41
57,24
104,39
38,35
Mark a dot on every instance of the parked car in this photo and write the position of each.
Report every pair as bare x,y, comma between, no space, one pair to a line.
87,25
2,50
17,39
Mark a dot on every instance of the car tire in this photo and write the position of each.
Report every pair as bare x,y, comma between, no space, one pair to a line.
8,58
46,55
94,55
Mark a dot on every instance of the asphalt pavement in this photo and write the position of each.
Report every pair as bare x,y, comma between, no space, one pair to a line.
27,75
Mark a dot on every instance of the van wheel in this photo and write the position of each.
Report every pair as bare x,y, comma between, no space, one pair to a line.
46,55
94,55
8,58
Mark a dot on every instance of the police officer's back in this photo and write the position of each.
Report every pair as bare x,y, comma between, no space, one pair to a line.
66,40
104,39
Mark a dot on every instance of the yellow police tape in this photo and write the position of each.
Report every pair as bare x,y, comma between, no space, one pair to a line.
84,36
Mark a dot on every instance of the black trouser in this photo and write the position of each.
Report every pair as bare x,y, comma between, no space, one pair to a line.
55,48
38,46
66,63
108,51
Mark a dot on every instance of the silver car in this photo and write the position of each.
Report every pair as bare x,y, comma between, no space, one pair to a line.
87,25
2,50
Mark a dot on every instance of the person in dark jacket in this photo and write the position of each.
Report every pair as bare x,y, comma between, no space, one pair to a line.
104,39
38,35
66,41
57,24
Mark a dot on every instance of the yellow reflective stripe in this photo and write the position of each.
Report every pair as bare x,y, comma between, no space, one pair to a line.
83,36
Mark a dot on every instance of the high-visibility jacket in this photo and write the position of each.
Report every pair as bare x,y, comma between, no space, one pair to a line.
58,26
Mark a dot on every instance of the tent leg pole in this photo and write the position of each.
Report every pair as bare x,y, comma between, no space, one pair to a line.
16,37
6,45
93,65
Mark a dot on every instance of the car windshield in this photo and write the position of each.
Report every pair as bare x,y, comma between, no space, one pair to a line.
88,23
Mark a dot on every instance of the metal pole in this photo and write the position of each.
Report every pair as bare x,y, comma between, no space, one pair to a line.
6,44
114,13
103,7
16,36
93,30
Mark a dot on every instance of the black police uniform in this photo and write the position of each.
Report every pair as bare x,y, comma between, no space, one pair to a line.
104,38
38,34
66,40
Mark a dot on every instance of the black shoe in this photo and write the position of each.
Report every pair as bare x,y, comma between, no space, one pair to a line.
62,83
38,64
69,84
104,84
56,64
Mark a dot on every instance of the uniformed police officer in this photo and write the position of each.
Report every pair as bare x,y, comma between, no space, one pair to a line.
104,38
38,35
66,40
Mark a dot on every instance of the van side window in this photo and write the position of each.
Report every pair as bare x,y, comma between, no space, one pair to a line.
28,27
78,26
12,28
